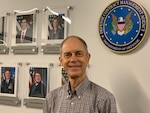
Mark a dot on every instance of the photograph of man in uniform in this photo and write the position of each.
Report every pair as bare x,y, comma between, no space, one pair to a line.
24,29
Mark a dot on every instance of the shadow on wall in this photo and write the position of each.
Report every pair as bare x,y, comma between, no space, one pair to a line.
129,94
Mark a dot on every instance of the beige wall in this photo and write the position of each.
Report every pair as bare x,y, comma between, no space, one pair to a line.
126,76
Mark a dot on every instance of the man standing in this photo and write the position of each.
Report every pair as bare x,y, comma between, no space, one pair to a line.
79,95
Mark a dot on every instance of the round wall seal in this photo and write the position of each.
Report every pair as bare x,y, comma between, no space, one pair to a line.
123,26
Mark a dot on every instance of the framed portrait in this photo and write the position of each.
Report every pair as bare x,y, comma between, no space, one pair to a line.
55,27
8,82
24,32
4,21
2,25
37,82
24,28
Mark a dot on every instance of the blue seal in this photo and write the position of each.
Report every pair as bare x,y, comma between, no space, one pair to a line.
123,26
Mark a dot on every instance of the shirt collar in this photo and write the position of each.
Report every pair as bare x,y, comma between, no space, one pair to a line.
81,87
24,30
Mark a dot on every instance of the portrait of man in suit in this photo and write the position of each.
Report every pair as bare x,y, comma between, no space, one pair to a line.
25,33
7,80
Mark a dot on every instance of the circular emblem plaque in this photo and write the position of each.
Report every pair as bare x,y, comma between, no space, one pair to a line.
123,26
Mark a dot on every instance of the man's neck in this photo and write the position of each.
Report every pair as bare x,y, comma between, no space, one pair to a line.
24,29
75,82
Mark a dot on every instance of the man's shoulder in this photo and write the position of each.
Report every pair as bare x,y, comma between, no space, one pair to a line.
60,88
29,30
99,90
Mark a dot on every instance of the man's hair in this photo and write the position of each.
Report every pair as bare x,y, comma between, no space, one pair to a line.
23,19
7,69
37,71
77,37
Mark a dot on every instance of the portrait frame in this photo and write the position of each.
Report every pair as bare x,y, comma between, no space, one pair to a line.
31,70
48,16
24,35
44,80
30,17
4,22
36,101
3,30
48,45
13,82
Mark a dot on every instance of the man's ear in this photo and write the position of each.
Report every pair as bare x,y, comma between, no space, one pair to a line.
60,60
89,56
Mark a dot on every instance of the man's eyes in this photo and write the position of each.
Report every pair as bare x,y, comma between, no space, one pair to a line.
67,54
77,54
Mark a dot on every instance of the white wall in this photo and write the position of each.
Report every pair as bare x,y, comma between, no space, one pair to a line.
126,76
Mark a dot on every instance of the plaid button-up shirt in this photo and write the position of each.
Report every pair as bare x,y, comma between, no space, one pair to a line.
87,98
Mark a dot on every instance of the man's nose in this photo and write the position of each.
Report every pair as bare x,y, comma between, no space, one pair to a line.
73,57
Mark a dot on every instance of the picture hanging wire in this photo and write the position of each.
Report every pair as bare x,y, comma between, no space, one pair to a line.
3,42
57,14
27,11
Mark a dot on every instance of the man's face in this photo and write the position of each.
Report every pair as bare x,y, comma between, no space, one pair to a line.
24,24
37,78
7,75
74,58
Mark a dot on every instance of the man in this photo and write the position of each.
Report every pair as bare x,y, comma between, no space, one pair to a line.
79,95
7,85
38,88
25,35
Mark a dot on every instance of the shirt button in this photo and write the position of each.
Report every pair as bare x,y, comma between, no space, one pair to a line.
71,103
79,97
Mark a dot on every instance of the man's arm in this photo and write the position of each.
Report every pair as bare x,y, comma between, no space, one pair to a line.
108,105
48,103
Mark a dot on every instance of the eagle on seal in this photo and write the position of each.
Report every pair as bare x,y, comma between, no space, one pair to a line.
120,25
